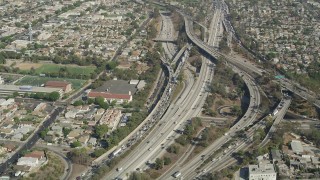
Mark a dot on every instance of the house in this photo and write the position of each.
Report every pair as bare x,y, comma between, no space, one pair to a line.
36,154
92,141
6,131
84,139
9,147
119,98
40,107
71,114
66,86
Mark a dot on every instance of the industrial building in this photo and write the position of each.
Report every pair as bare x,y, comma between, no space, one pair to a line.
262,172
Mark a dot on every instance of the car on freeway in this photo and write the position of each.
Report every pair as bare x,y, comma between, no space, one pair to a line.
119,169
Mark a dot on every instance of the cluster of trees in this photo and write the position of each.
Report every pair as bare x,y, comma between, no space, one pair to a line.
8,55
97,101
98,152
139,176
173,149
75,144
224,77
65,57
160,162
44,133
189,132
68,7
100,131
223,45
208,105
79,156
5,41
53,96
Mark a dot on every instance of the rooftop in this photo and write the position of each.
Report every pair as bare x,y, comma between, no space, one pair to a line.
27,88
117,86
108,95
296,146
261,169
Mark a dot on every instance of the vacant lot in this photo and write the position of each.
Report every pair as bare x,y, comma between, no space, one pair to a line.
73,69
28,66
39,81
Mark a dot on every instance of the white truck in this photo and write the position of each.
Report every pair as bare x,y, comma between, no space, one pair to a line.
116,152
275,112
177,174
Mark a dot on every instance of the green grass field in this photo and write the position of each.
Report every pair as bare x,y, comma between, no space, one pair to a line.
38,81
77,70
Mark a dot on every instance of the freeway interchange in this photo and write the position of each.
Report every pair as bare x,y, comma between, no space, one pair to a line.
189,104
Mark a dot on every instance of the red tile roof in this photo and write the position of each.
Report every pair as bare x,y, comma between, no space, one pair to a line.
57,84
35,154
109,95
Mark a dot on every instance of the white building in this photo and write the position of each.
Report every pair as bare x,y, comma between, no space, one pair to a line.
296,146
28,161
262,172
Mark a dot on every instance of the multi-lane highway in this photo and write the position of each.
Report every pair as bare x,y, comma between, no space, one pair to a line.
189,169
167,30
225,158
215,25
188,104
177,114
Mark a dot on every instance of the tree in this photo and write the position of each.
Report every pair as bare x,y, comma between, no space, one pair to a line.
166,161
101,130
78,103
75,144
86,44
98,152
173,149
66,131
15,94
53,96
44,133
100,101
236,110
139,176
111,65
158,164
79,156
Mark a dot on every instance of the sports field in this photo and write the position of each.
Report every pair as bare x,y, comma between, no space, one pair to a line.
38,81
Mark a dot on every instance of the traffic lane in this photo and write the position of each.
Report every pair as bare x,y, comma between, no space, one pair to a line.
200,80
169,130
141,149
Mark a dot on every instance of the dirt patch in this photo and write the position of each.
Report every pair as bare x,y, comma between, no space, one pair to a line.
77,169
28,66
